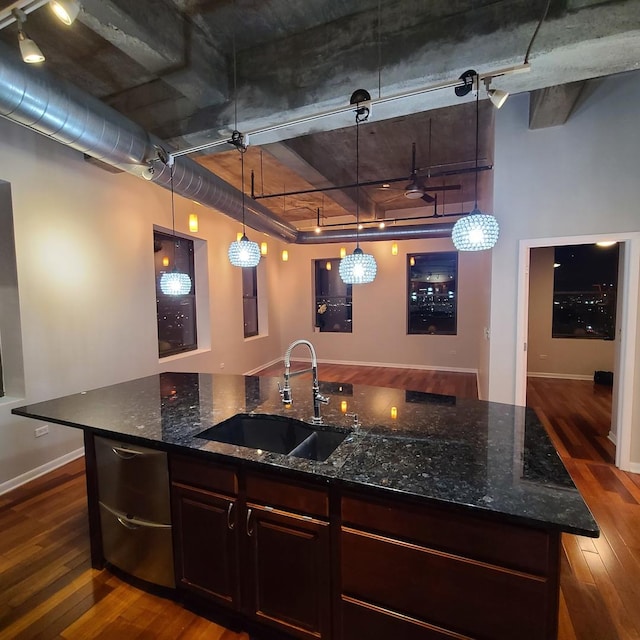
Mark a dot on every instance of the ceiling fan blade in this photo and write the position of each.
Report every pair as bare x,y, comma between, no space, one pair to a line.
428,198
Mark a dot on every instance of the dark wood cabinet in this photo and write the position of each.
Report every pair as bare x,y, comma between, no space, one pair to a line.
206,543
423,572
205,513
255,544
288,564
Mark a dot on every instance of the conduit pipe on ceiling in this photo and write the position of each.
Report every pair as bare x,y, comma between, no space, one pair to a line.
57,109
405,232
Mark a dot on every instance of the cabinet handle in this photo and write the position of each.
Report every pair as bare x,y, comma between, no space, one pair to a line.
249,529
230,521
126,454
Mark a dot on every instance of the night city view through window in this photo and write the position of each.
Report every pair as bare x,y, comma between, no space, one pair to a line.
584,291
176,314
333,298
432,293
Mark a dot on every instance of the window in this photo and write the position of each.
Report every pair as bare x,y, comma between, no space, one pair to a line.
250,301
176,314
432,293
585,280
333,298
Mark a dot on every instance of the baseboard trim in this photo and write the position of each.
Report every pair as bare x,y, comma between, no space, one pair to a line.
394,365
612,437
634,467
562,376
262,366
14,483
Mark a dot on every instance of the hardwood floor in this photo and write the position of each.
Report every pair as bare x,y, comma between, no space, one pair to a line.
600,578
48,589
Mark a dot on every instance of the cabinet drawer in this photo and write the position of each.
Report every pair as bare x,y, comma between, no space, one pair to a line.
508,545
291,494
361,620
202,473
461,595
133,479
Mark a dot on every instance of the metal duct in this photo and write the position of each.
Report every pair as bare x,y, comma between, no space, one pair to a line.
55,108
409,232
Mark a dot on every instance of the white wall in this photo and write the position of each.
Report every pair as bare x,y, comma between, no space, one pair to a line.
577,179
84,253
558,357
379,309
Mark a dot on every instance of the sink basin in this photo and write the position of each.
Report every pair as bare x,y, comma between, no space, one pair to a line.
278,434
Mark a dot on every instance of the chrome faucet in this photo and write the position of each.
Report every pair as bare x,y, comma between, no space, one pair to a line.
285,392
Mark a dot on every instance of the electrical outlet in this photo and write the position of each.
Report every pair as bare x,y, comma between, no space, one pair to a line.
222,365
42,431
543,356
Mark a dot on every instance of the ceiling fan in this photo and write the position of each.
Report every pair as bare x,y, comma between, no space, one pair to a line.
416,188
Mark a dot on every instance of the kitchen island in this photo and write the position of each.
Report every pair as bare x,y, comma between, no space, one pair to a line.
436,517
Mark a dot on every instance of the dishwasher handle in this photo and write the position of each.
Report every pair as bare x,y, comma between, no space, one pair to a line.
126,454
131,522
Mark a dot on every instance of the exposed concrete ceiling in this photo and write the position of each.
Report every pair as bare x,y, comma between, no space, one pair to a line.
190,71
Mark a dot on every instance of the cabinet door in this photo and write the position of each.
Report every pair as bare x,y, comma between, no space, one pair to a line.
206,544
288,571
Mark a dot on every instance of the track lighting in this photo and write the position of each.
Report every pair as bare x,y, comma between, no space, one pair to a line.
174,282
29,50
359,267
66,10
476,231
497,96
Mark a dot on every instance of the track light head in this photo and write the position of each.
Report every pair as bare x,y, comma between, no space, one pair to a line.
29,50
497,96
66,10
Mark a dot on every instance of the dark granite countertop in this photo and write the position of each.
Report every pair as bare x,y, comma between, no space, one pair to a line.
476,455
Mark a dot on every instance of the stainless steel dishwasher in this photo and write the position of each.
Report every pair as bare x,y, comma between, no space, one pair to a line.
135,512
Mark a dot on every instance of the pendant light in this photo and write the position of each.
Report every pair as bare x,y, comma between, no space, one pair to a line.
359,267
174,283
476,231
242,252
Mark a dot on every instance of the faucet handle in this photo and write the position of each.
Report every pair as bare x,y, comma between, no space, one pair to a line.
285,393
320,398
356,424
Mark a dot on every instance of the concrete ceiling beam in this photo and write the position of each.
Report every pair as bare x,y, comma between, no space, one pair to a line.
552,106
316,71
163,42
302,167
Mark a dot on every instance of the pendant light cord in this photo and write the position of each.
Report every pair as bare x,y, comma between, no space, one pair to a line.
242,188
173,218
477,135
357,181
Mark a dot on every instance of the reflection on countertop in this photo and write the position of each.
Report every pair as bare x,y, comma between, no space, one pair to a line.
480,455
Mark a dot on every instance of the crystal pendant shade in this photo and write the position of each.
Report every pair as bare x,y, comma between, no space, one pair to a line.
244,253
358,268
475,232
175,283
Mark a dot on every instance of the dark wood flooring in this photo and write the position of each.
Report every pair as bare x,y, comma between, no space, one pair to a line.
48,589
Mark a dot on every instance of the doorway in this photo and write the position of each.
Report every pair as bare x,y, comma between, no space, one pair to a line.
629,279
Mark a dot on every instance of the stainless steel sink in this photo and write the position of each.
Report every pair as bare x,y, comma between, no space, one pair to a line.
278,434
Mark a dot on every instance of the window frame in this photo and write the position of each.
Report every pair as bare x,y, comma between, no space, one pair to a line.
250,294
186,263
582,296
328,301
451,276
